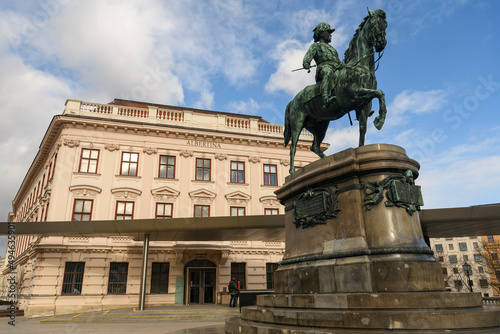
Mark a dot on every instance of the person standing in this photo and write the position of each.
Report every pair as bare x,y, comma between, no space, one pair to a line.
233,292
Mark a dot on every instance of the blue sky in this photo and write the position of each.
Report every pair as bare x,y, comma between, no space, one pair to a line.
440,73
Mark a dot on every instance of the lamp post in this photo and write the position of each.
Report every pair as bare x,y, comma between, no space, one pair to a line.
467,269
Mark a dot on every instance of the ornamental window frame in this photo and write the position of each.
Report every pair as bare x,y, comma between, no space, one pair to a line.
127,164
86,162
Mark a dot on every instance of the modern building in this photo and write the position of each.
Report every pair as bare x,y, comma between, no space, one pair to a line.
131,160
464,267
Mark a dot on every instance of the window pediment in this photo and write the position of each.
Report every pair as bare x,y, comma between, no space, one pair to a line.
165,193
202,196
269,200
238,197
84,190
126,192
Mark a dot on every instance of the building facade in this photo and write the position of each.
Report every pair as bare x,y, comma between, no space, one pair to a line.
455,254
491,251
130,160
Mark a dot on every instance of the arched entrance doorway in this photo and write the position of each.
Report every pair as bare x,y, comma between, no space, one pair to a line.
201,276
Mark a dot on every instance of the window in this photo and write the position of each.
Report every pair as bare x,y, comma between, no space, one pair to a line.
440,259
466,258
478,257
167,167
203,169
270,175
439,247
480,269
124,210
453,258
491,239
455,270
237,172
237,211
202,211
462,246
270,269
450,246
475,245
163,210
497,273
159,277
238,271
88,161
117,284
458,285
82,210
129,164
445,271
271,211
494,255
73,278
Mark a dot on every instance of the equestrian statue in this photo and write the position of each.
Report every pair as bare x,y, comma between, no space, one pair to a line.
341,86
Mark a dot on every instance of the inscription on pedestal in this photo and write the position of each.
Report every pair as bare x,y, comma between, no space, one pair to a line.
315,207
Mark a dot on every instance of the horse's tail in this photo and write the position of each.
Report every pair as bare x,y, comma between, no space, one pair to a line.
288,132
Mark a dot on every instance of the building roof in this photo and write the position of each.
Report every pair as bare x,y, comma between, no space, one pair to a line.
436,223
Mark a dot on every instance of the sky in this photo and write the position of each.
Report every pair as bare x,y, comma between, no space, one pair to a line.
440,73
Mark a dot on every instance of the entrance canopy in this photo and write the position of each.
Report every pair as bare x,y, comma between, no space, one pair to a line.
436,223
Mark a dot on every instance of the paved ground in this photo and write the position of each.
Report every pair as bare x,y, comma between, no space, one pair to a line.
169,319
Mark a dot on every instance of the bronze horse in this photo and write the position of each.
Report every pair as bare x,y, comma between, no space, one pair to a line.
355,85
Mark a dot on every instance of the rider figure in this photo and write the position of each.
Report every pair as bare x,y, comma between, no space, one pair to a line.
326,58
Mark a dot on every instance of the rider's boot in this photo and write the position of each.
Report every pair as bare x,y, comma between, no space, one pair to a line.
328,101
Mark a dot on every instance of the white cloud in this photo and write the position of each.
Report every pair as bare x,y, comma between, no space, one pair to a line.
342,138
290,54
250,107
418,102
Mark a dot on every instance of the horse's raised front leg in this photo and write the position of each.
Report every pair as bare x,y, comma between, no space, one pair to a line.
369,94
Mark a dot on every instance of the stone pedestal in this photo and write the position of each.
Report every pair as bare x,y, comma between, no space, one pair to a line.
355,254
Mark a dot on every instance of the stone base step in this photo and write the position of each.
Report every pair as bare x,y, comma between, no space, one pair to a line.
452,318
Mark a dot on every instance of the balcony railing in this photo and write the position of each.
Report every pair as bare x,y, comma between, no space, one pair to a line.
188,118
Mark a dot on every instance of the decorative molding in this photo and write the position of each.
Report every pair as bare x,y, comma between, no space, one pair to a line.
254,159
202,196
78,239
238,198
121,239
165,193
126,192
221,156
179,255
269,200
71,143
150,150
186,154
285,162
112,147
84,190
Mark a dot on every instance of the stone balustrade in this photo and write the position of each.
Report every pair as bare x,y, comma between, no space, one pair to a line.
181,117
491,301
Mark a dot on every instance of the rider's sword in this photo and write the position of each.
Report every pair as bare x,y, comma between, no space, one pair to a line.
299,69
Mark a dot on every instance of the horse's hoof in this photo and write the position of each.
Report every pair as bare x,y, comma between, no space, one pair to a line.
371,113
378,122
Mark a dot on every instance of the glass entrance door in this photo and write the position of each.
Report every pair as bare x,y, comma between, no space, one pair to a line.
201,286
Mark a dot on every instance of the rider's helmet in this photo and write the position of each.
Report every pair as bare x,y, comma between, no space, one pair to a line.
323,26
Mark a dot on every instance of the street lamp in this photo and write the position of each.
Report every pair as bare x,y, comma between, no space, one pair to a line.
467,270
